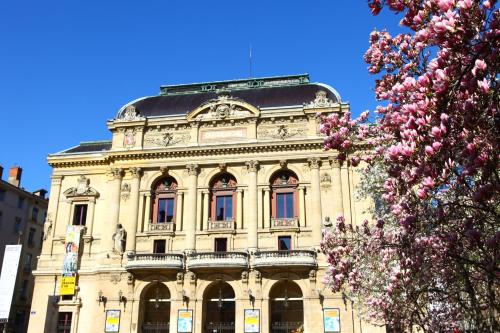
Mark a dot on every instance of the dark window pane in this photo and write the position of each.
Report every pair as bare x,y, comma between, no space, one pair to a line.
220,244
162,208
159,246
80,215
289,205
280,205
219,208
284,243
170,209
64,322
229,207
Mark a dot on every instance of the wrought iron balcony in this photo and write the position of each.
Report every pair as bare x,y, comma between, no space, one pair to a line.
292,258
211,260
226,225
284,223
161,227
155,261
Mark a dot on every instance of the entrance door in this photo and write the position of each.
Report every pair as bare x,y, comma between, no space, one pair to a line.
156,304
287,311
219,309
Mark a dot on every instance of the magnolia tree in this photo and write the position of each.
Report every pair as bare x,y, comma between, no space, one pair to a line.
430,260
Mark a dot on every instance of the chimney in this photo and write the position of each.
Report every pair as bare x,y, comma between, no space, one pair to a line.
15,175
1,172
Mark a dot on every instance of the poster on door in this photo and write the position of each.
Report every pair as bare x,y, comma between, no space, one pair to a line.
185,321
331,318
252,321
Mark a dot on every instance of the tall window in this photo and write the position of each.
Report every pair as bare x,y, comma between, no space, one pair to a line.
34,214
165,191
223,190
2,195
31,237
20,202
64,322
284,195
80,215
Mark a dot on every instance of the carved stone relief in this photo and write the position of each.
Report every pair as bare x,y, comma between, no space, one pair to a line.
223,108
130,114
321,101
82,189
280,132
125,191
165,139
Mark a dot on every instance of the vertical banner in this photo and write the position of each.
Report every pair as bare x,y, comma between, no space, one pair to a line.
70,263
185,321
252,321
8,279
331,319
112,321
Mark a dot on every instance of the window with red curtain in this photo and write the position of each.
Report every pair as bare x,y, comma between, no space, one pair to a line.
64,322
284,195
164,205
223,197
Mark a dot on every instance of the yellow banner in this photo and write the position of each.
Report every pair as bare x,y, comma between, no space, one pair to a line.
68,284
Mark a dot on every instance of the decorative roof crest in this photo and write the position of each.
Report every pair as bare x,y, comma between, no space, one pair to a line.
130,114
321,101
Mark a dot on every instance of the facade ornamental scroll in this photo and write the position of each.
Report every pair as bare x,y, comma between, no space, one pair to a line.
130,114
281,132
321,101
164,139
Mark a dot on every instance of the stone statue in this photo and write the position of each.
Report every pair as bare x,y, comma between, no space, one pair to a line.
326,222
119,238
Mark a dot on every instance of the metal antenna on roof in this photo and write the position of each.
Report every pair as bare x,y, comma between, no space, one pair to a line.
250,61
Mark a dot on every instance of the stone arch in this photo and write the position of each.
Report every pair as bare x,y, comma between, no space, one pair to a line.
148,181
205,182
204,284
268,284
274,169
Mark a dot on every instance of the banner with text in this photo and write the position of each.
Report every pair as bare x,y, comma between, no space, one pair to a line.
70,263
8,279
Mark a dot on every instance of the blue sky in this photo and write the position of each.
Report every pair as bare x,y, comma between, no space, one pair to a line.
68,66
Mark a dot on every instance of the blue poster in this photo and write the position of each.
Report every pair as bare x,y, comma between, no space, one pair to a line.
185,321
331,318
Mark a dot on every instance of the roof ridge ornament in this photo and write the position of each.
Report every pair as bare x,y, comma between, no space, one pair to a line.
130,114
223,107
321,101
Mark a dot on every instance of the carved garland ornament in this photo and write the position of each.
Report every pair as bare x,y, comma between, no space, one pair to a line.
281,132
166,139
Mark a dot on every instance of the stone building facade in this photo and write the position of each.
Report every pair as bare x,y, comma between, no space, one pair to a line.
205,209
22,214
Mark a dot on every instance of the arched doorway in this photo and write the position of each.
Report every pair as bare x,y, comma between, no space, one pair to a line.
287,308
219,308
156,307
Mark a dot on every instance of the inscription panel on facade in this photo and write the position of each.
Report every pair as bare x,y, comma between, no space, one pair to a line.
212,135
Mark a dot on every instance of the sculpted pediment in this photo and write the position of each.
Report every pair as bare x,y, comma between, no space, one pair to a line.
224,107
81,190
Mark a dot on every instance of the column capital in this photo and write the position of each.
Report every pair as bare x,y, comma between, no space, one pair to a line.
314,162
192,169
335,162
252,165
205,191
239,190
301,187
135,172
117,173
56,179
266,189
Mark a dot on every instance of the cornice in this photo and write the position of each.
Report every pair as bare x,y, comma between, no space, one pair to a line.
186,151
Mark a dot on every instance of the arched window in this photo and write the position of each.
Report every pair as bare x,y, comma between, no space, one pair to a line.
223,197
155,308
284,195
164,208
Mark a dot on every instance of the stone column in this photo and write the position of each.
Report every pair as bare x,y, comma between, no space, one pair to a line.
90,217
314,164
199,210
251,215
134,225
179,209
239,208
51,219
190,212
113,209
267,207
302,206
206,209
147,211
259,208
338,207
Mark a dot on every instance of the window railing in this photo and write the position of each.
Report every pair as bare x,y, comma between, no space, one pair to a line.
218,255
284,223
221,225
165,226
209,260
155,257
296,258
173,261
285,254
